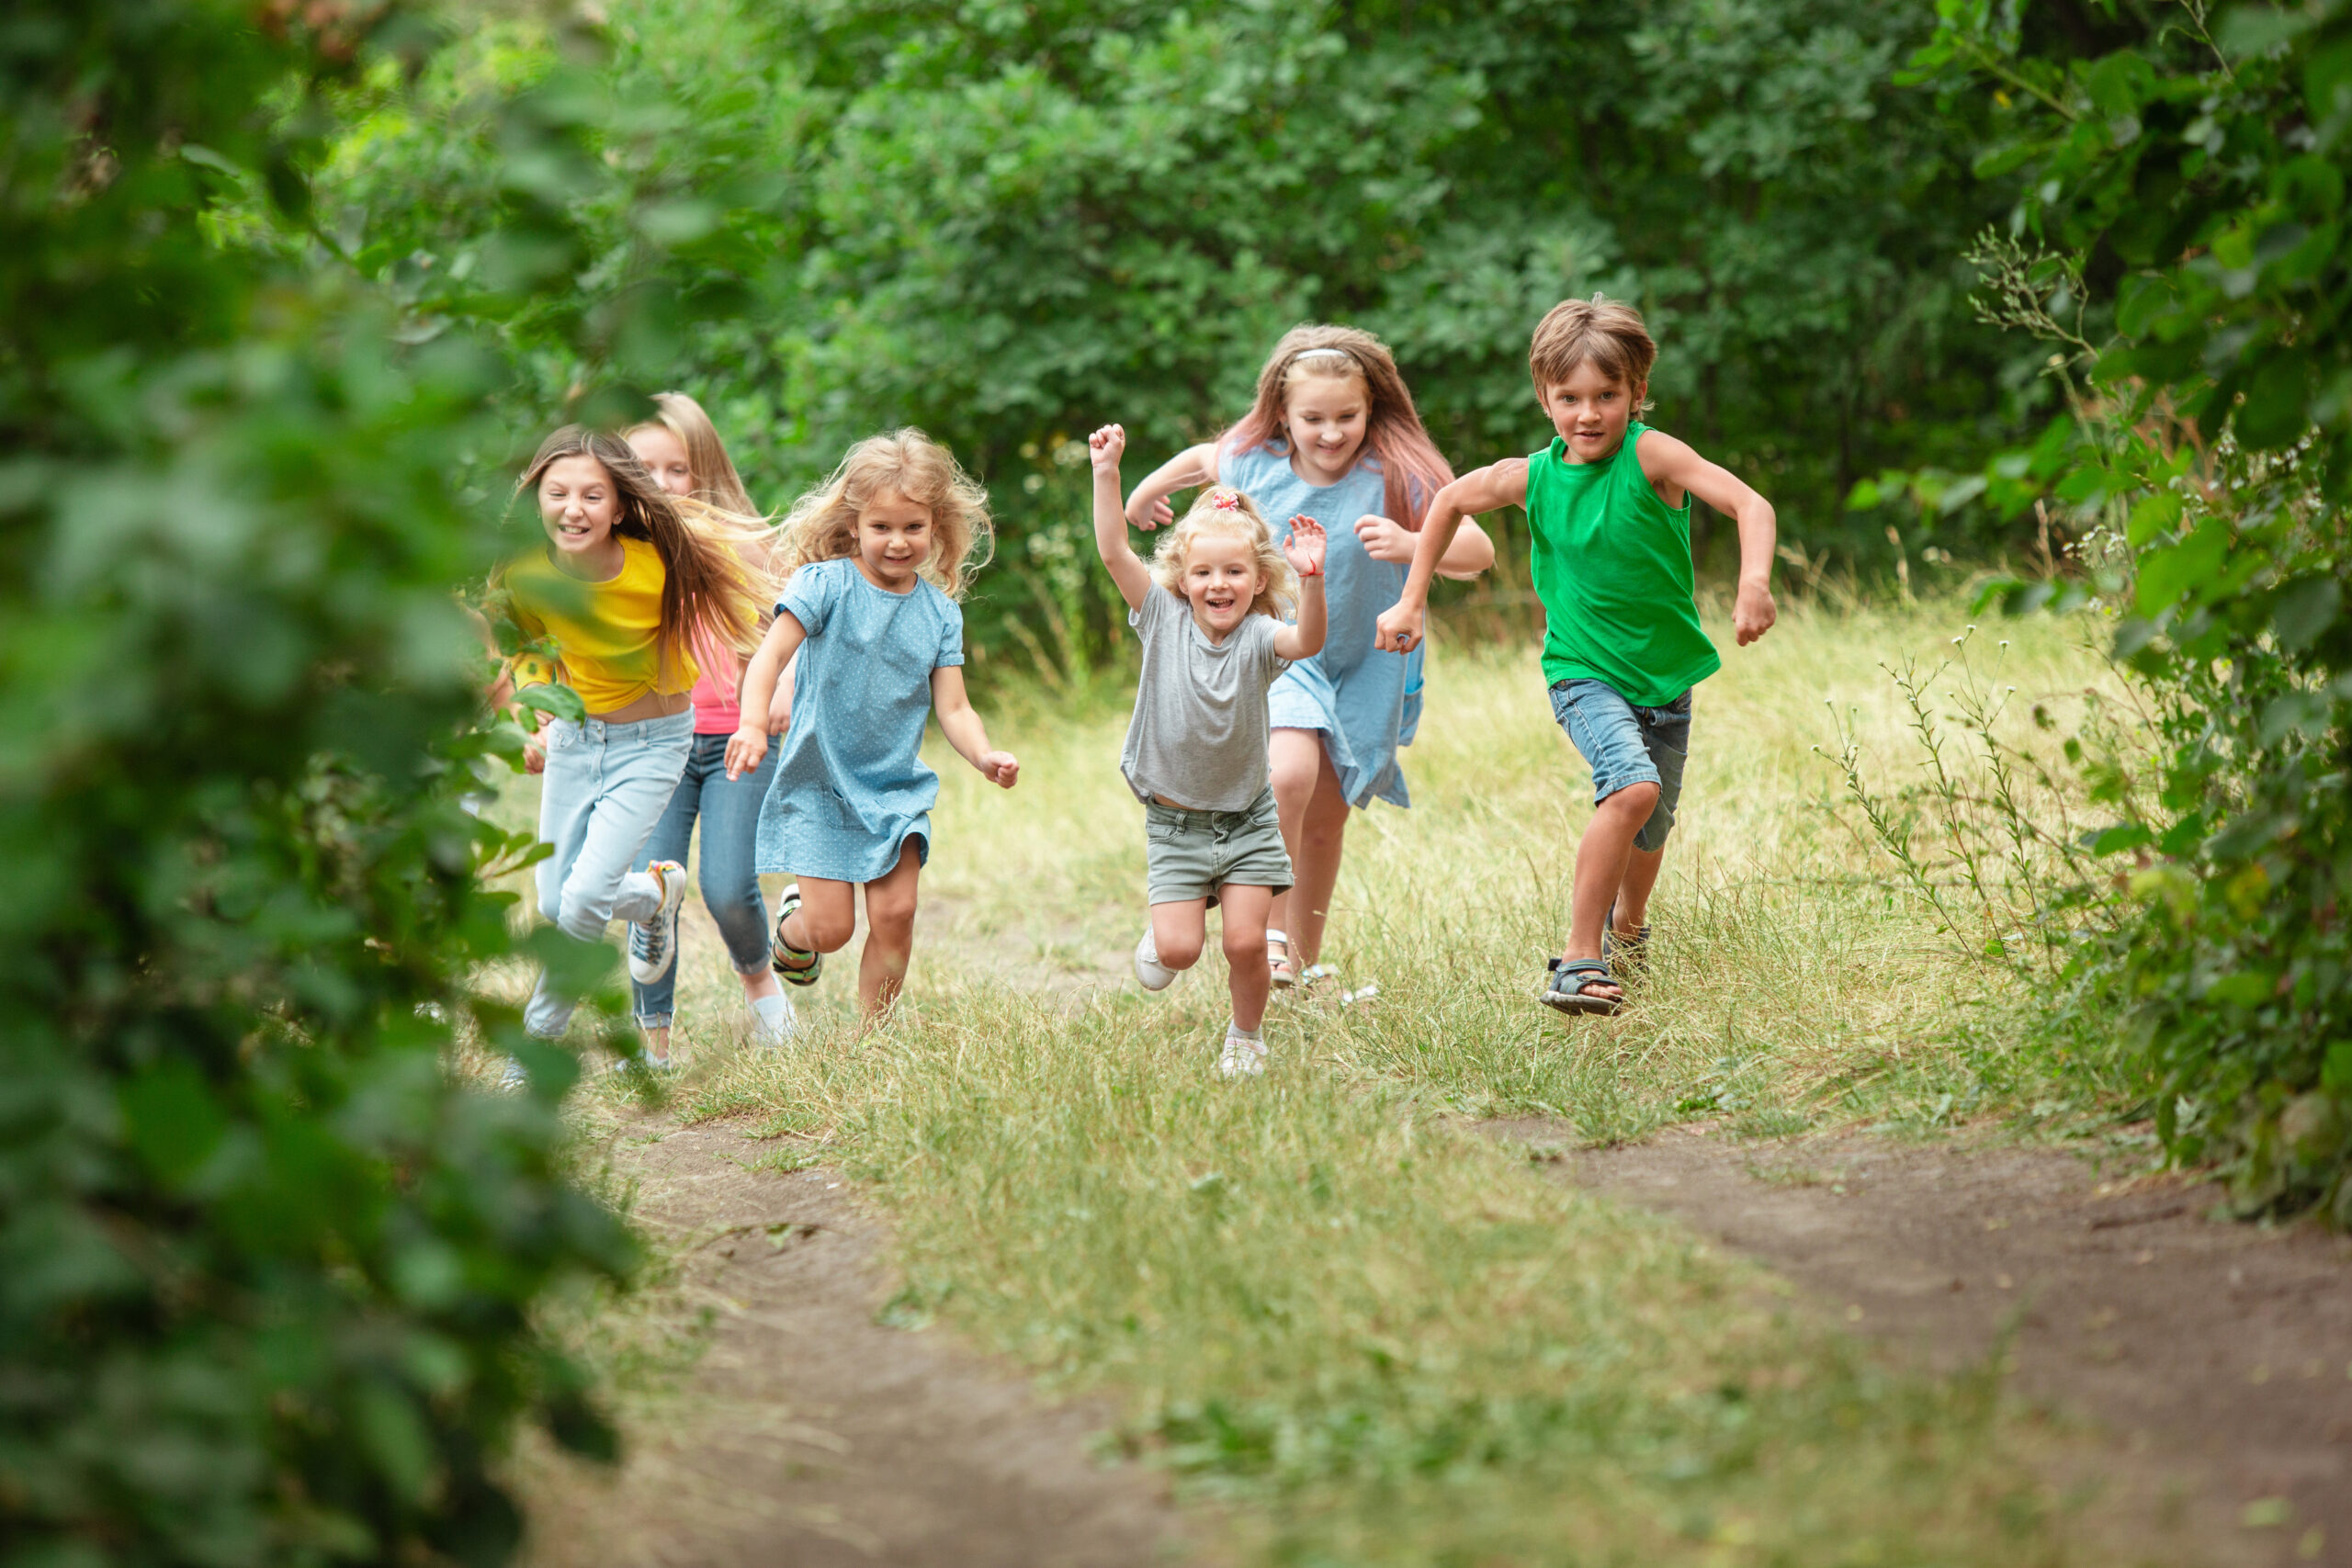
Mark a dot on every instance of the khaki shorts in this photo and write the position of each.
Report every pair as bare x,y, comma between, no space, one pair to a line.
1190,854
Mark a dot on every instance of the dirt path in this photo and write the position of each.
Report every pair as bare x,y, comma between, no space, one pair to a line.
807,1433
2215,1358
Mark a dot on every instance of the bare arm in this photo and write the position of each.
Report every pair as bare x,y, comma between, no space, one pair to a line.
961,724
1193,466
1305,549
748,744
1489,489
1670,465
1111,522
1386,539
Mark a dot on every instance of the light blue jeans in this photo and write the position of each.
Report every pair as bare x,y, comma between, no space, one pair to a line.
1628,744
604,787
730,810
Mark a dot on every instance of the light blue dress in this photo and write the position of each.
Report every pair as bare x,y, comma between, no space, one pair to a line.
1366,703
851,787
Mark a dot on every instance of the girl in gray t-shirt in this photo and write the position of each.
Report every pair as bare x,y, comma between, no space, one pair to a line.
1208,610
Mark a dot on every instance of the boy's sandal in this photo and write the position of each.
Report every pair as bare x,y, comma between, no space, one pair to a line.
796,967
1566,990
1278,958
1626,954
1314,972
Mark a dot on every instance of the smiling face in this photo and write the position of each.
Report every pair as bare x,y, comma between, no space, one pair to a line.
894,537
664,456
1325,418
1221,580
1590,409
579,504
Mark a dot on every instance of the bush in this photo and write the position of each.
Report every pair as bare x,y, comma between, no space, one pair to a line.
266,1270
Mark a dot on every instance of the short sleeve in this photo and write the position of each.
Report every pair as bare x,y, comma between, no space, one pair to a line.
951,634
808,596
1268,628
1148,616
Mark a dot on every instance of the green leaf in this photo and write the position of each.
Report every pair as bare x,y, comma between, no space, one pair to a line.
2247,989
2304,609
2153,515
561,702
2121,837
2336,1074
2169,572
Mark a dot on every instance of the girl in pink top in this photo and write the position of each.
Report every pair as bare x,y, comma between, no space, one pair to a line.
682,449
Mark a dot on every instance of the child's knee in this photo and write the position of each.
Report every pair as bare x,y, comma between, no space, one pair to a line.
1245,943
828,930
1180,950
1635,800
891,917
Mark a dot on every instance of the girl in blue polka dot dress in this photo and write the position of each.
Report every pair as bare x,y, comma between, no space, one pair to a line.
872,563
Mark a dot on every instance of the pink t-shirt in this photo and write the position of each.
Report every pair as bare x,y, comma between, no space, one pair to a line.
716,710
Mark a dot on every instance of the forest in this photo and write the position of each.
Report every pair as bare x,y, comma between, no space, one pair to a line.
2026,314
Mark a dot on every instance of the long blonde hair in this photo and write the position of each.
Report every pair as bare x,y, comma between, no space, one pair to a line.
1412,468
716,481
1221,509
822,524
707,585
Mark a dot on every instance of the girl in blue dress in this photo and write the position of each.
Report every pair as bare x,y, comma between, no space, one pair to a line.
873,563
1332,435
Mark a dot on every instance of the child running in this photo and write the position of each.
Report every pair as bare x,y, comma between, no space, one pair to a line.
1609,503
873,561
1207,611
681,448
629,580
1333,433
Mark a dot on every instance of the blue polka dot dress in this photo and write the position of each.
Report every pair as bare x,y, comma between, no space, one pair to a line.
851,787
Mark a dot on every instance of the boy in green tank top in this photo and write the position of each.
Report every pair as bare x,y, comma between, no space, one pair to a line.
1608,504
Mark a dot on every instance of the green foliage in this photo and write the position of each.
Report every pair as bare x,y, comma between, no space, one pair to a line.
266,1270
1008,225
2197,170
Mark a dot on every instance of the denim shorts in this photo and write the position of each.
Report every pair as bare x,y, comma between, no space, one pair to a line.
1190,854
1628,745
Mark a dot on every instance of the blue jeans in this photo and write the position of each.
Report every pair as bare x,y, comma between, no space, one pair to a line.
604,789
730,885
1628,745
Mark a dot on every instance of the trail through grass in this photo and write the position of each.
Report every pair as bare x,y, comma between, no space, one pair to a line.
1322,1295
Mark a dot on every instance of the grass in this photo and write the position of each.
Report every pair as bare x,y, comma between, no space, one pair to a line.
1326,1297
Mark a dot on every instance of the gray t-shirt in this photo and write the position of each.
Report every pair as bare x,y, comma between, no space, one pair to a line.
1199,734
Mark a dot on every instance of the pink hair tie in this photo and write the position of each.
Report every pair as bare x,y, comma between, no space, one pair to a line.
1230,501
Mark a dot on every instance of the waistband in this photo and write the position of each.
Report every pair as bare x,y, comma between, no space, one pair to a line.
660,728
1190,818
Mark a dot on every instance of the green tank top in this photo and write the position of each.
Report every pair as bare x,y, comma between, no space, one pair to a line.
1612,569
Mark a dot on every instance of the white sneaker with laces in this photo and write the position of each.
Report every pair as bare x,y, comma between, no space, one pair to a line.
772,1020
653,940
1153,974
1241,1058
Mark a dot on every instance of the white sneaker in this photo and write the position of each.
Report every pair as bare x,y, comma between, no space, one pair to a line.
512,1077
1241,1058
1154,975
772,1020
653,940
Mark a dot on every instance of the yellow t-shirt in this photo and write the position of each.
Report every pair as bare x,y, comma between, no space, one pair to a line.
607,633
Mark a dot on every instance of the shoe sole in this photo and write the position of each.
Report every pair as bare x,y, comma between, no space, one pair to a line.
673,898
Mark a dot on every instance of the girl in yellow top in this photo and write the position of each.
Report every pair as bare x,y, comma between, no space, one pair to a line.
629,579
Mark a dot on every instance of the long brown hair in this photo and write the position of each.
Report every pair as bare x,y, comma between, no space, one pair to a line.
822,524
1410,460
706,582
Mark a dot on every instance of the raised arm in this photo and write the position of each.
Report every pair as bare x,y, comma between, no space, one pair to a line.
1190,469
962,726
1489,489
1305,549
1110,522
1671,464
748,744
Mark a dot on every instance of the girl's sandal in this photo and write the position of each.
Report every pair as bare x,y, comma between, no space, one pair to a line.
1278,959
1312,973
1568,988
796,967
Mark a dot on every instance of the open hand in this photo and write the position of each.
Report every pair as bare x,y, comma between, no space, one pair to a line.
1386,539
1303,549
1399,628
745,749
1752,613
1001,767
1105,446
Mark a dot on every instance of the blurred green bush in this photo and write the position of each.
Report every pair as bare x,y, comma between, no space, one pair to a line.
268,1270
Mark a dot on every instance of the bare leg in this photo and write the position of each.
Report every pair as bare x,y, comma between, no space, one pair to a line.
1641,867
1314,822
657,1042
1244,911
827,917
1179,930
889,935
1601,864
